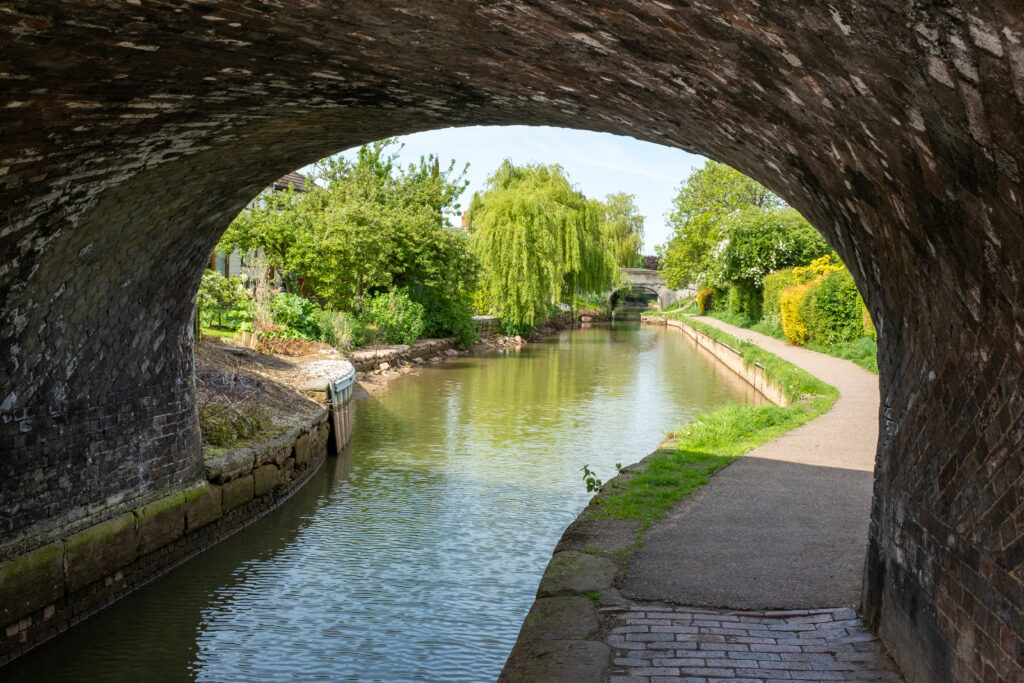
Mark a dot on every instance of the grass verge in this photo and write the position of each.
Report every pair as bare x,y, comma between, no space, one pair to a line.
713,440
863,351
219,332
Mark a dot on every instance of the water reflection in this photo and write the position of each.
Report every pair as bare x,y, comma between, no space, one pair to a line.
418,557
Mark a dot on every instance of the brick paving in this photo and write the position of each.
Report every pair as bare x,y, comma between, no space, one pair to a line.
654,643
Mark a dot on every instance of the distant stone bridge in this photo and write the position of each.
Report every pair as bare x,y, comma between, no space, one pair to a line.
652,281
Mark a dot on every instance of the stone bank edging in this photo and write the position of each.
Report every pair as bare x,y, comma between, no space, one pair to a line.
556,641
46,591
753,375
371,357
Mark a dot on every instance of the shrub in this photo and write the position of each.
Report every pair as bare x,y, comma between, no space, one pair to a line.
774,285
867,322
792,320
445,316
595,303
744,299
340,329
223,299
298,316
395,317
704,299
818,267
831,310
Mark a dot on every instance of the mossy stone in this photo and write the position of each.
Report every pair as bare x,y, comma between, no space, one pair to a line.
100,550
567,618
202,505
302,451
31,581
557,661
161,522
575,573
237,492
266,478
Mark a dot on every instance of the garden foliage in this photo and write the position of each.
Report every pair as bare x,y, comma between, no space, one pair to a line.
365,227
394,318
761,264
223,300
705,300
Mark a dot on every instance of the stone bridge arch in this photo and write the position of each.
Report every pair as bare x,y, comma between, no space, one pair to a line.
132,135
650,281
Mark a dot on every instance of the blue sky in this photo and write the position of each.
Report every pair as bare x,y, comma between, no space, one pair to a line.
598,163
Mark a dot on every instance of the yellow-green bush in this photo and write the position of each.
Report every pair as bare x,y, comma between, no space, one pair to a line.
817,268
831,309
704,298
867,322
793,324
480,304
774,285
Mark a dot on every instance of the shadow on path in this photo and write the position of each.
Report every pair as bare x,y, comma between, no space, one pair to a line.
763,534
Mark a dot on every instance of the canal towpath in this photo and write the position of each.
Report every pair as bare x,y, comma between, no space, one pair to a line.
757,575
767,558
783,526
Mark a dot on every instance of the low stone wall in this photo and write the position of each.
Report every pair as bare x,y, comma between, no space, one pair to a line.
486,324
372,357
47,590
752,374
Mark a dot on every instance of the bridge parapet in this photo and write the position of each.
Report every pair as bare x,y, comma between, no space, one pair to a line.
654,282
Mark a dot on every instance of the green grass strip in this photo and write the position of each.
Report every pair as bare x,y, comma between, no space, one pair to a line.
862,351
219,332
713,440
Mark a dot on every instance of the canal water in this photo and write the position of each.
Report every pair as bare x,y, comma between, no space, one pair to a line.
416,555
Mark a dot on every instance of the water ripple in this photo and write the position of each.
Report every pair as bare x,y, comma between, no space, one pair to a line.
422,563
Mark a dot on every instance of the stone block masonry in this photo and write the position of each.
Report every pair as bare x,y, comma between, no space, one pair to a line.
48,589
130,139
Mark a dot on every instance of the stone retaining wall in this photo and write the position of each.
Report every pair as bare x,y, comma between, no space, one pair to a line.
753,374
47,590
372,357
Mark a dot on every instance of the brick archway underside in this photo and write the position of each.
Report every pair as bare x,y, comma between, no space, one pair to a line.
133,132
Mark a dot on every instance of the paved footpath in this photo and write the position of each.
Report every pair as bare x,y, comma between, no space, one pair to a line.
768,556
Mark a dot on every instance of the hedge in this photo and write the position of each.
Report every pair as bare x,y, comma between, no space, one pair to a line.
704,299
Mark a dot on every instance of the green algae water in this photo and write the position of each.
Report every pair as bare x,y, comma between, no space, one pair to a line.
415,556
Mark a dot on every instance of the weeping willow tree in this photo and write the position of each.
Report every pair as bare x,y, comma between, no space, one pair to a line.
623,227
539,242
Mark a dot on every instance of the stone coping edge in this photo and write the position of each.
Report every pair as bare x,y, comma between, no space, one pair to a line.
239,461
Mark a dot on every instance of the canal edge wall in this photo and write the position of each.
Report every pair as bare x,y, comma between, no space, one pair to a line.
46,591
752,374
555,641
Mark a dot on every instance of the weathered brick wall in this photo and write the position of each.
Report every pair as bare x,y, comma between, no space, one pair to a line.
131,133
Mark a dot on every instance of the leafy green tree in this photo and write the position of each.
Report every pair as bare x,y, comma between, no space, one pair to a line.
274,224
369,226
707,197
539,242
756,242
220,295
623,228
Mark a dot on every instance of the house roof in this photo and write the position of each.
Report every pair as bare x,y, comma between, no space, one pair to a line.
294,179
